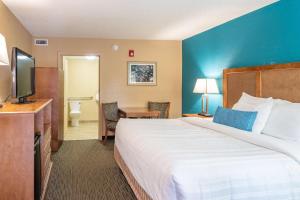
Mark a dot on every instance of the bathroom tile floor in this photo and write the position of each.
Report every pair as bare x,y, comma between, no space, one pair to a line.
85,131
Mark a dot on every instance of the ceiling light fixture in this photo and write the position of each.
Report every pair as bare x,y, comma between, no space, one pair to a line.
115,47
91,57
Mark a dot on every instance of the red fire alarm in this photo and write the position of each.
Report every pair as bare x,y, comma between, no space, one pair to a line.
131,53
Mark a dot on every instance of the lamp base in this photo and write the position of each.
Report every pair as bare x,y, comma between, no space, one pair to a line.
205,114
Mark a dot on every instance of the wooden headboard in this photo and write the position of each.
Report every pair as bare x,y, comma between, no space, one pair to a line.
277,81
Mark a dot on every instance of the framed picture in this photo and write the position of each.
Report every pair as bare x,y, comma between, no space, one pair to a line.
142,73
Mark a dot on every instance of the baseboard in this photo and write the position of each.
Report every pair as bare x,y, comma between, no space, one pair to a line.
88,121
85,121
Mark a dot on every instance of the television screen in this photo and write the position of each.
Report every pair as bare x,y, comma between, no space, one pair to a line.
23,66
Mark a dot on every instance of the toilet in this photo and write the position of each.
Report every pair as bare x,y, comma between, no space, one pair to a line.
74,112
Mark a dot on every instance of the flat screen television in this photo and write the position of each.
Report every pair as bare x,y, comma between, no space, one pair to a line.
23,71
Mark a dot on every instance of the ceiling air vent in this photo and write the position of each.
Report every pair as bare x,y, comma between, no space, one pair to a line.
41,42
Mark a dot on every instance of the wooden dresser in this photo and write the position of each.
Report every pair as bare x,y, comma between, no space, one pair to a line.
18,125
47,81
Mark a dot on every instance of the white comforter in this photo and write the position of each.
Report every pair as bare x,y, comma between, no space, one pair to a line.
191,158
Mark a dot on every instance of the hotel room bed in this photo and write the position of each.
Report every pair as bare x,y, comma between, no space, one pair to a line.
192,158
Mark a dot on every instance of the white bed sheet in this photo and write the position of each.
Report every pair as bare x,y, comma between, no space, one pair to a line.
192,158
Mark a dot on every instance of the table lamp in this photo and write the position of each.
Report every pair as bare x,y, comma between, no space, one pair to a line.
3,55
205,86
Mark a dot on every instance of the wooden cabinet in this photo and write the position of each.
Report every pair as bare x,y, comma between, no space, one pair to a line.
18,125
47,86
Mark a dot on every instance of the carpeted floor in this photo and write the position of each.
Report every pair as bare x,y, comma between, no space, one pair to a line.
86,170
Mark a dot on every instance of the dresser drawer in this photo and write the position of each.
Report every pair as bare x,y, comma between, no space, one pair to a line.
46,164
47,161
47,141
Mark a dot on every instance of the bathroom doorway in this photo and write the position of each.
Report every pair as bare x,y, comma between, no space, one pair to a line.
81,97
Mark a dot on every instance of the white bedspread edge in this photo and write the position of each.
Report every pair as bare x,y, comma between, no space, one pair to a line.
291,149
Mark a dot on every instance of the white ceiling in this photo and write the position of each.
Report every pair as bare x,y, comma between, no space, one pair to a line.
128,19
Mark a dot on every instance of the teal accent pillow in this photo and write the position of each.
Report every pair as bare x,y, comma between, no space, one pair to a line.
242,120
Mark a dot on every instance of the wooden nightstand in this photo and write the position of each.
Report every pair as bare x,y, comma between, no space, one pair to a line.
196,115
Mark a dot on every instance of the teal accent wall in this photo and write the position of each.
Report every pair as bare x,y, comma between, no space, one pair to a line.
267,36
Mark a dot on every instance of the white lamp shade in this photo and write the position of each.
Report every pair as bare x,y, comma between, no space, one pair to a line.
3,51
206,86
200,86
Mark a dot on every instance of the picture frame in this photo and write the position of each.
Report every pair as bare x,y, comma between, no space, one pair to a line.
142,73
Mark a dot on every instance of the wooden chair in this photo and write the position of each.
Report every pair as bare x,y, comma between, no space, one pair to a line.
111,117
163,107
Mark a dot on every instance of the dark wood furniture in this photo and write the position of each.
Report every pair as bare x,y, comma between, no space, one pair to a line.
162,107
47,87
196,115
18,124
111,117
139,112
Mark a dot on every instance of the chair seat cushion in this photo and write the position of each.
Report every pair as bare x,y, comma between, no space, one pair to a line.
111,124
159,106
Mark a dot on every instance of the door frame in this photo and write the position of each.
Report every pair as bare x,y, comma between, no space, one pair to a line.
60,64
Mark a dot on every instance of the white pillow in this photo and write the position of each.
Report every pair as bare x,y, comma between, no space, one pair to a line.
261,105
284,121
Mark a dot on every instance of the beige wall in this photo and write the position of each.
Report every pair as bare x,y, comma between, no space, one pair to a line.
113,68
113,64
83,81
16,36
